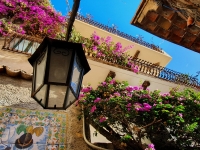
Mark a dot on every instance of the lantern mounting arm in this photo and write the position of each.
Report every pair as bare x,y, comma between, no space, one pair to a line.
72,19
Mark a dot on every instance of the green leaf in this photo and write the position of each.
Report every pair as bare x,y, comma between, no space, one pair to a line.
180,108
127,137
182,120
168,105
165,111
127,115
192,127
21,128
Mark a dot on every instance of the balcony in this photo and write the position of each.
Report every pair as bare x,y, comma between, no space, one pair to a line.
119,33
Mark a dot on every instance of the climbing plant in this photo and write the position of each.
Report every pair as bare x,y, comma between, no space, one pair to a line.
37,18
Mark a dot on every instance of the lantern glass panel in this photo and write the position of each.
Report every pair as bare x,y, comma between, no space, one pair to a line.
40,65
70,98
77,70
59,64
57,95
41,95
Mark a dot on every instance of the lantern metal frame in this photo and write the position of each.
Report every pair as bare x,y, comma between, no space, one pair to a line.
61,48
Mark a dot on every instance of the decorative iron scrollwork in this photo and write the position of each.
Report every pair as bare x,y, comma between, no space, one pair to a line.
64,52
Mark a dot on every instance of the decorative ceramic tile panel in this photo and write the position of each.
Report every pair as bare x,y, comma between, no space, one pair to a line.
32,129
4,117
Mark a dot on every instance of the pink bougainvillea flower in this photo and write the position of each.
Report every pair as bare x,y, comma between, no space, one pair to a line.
118,46
147,107
129,95
102,119
138,106
81,95
97,100
118,49
112,81
94,48
116,94
135,68
130,88
108,40
93,108
181,98
99,54
129,63
87,89
144,107
165,94
150,147
95,37
129,106
136,88
104,83
181,115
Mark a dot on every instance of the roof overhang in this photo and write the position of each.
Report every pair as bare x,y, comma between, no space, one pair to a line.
170,21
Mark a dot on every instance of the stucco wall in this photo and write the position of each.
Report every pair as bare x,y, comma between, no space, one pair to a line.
99,72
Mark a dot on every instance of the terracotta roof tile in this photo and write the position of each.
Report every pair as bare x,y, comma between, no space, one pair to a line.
15,73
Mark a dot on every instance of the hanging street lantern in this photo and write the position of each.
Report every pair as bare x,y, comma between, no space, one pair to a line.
58,70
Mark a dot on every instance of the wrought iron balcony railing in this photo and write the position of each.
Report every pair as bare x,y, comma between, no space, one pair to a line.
156,71
166,74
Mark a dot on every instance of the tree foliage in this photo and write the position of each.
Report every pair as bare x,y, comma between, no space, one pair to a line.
127,114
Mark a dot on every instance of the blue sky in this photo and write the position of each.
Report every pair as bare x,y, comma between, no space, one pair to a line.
120,13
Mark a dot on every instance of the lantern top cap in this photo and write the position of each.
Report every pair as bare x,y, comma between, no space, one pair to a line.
61,44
